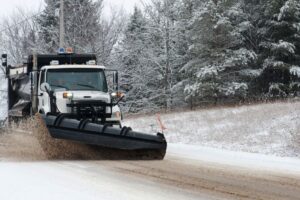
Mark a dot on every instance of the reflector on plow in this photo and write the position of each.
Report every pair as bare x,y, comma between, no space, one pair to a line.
84,131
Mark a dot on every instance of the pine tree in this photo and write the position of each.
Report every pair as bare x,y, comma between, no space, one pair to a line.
49,26
139,77
218,56
281,49
81,24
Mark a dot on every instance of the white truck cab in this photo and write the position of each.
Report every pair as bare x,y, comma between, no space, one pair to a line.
75,83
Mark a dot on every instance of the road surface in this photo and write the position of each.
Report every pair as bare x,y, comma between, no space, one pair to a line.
186,173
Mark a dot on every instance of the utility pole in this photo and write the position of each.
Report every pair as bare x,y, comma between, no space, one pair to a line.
62,25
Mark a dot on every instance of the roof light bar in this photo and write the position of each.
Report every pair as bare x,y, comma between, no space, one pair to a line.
54,62
91,62
61,51
68,50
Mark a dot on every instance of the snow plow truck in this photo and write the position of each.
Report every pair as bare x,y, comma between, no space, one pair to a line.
70,93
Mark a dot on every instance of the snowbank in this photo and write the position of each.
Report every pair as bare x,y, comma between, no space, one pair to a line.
238,159
267,128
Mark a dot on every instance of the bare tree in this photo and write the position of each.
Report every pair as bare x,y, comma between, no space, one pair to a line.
111,28
19,35
161,16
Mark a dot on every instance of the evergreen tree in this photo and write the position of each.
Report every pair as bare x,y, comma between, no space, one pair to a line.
139,77
217,53
81,24
281,49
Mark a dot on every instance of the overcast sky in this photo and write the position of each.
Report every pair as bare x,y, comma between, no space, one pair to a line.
7,7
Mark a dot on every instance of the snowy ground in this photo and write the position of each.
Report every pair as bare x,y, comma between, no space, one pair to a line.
187,173
254,161
196,166
266,128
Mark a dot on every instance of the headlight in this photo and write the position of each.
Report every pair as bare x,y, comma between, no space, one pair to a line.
117,94
114,94
67,95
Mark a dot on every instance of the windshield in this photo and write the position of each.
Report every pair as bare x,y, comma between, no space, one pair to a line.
77,79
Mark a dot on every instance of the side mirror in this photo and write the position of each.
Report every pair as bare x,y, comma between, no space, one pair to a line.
4,64
45,87
4,60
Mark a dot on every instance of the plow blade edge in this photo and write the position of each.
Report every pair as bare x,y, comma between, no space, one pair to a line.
62,127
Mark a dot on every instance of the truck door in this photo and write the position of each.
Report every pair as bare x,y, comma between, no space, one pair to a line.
43,97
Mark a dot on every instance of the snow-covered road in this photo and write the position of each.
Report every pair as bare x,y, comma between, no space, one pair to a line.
191,169
79,180
188,172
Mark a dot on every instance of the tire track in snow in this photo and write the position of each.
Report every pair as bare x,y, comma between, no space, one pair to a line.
225,181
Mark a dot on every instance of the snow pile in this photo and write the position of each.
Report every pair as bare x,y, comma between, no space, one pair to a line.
266,128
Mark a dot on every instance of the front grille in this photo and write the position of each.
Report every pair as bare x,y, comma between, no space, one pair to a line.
90,109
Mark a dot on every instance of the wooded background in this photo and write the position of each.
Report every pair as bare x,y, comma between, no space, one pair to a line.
175,53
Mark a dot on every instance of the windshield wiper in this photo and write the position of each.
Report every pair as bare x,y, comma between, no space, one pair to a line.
60,86
88,86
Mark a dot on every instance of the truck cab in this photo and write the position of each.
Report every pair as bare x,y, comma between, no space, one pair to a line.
78,90
68,84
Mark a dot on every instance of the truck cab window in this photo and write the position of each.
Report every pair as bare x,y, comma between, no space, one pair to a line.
77,79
